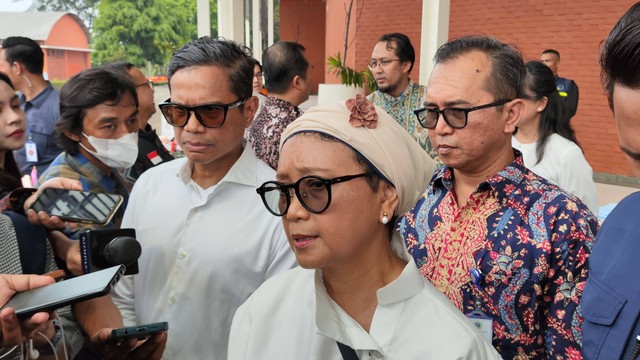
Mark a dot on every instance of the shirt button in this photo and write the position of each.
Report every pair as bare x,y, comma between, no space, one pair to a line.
183,254
172,300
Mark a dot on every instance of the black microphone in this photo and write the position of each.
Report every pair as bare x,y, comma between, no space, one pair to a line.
123,250
101,249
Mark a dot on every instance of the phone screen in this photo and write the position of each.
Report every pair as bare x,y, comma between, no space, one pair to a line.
79,206
65,292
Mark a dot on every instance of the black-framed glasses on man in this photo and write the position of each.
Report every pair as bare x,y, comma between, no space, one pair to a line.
313,192
373,64
211,115
456,118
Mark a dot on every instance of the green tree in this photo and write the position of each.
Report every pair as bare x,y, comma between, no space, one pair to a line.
85,9
143,30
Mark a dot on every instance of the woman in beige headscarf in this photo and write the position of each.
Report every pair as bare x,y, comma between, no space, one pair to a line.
345,172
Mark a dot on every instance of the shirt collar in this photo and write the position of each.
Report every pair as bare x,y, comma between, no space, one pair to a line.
511,174
333,322
243,171
40,99
281,103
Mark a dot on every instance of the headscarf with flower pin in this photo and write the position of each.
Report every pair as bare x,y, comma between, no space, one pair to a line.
373,133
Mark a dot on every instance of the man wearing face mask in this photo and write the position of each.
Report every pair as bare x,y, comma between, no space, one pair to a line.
98,130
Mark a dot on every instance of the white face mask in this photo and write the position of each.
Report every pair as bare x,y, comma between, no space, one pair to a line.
118,153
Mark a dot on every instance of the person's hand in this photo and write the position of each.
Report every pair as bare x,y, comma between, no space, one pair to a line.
131,349
67,250
42,218
13,330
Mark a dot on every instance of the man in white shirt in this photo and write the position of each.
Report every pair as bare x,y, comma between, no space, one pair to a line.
207,242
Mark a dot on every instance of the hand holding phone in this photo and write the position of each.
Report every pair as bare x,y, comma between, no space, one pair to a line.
57,295
139,332
13,330
110,348
78,206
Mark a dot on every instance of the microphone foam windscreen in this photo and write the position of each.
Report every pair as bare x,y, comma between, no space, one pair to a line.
122,250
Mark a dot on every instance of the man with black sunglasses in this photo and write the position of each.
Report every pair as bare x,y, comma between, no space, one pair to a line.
507,247
207,242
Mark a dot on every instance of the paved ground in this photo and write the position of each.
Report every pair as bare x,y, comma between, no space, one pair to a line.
607,193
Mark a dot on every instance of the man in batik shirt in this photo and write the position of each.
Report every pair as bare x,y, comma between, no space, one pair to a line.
495,238
287,76
391,62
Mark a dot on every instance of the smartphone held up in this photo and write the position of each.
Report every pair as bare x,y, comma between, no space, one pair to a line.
78,206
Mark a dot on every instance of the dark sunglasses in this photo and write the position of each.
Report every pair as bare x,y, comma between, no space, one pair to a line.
456,118
209,115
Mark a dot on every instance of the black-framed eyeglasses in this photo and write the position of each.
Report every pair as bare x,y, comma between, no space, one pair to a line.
313,192
209,115
382,62
456,118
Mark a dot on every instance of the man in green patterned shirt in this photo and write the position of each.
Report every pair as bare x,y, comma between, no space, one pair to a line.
391,62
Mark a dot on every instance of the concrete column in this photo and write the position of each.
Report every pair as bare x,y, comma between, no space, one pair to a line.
435,32
231,20
203,18
256,29
270,23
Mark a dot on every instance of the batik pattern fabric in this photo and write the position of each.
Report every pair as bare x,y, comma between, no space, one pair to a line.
401,108
267,127
529,239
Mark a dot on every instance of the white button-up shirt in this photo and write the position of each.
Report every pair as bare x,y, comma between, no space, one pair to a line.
291,316
203,253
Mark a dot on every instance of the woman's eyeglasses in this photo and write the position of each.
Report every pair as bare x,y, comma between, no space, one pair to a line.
209,115
313,192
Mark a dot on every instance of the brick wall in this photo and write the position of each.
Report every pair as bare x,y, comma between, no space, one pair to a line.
303,21
573,28
375,18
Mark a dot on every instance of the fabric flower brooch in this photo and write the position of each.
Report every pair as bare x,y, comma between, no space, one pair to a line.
363,112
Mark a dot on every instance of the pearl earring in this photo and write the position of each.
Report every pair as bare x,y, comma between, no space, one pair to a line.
385,219
539,109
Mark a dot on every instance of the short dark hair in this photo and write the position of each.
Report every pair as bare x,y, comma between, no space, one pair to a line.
25,51
84,91
620,54
552,51
507,66
120,66
5,78
256,62
281,62
403,48
235,59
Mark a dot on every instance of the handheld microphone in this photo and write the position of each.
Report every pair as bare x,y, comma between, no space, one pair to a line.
121,250
101,249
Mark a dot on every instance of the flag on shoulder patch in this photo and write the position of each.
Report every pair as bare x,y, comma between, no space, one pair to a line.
154,157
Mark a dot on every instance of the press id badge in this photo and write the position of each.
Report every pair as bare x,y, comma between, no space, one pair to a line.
483,323
31,151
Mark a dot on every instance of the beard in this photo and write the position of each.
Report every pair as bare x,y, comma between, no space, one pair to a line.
388,88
